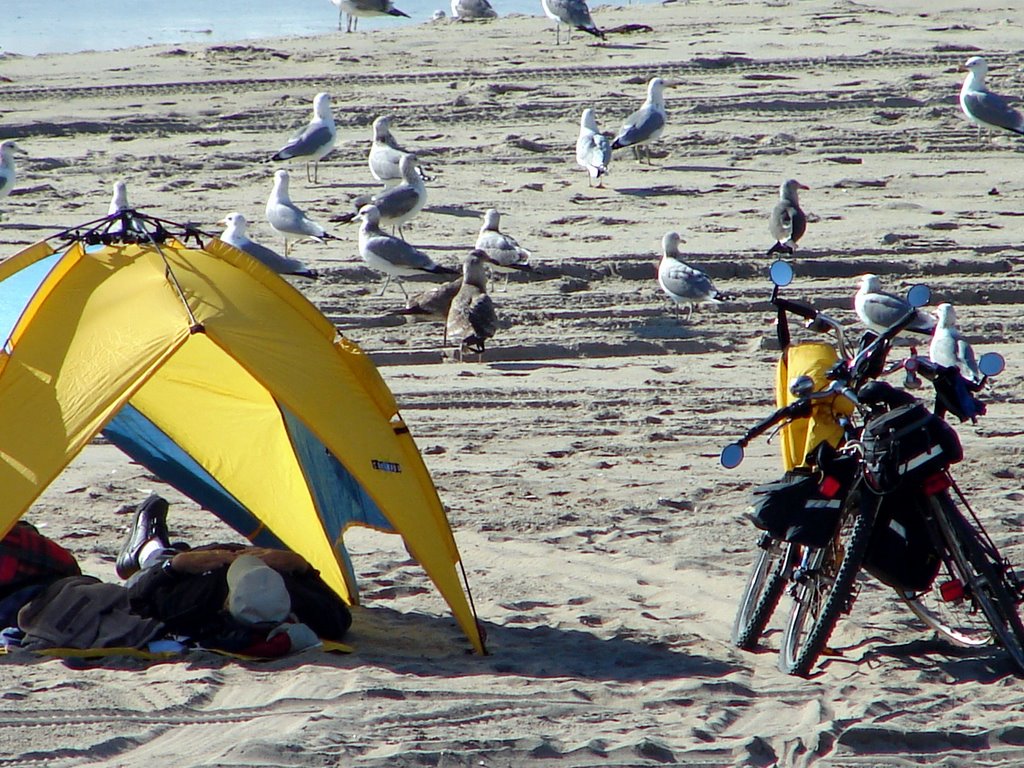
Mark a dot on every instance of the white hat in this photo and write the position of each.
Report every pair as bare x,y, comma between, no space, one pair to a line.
256,592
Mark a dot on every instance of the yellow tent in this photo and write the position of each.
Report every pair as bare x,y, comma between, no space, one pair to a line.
205,366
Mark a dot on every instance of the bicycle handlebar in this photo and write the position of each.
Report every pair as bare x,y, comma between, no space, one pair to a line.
798,409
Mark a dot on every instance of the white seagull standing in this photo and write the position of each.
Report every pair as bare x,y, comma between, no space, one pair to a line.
118,203
119,199
385,153
472,9
984,108
647,123
355,9
593,149
287,219
572,13
314,141
471,316
684,284
392,255
396,206
503,251
948,346
234,234
787,222
8,170
878,310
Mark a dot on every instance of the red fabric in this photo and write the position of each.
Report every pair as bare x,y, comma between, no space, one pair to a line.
26,556
278,645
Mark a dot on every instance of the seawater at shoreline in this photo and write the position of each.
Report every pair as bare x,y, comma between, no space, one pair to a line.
103,25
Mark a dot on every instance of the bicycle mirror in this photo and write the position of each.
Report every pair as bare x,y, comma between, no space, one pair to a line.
732,456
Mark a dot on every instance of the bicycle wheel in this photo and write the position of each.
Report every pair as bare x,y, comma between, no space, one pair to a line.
764,588
985,576
956,621
823,589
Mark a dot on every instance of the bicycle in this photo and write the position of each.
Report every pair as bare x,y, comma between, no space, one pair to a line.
809,418
904,454
821,574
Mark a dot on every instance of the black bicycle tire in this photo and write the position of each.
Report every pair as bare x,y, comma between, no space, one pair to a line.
987,587
796,657
761,594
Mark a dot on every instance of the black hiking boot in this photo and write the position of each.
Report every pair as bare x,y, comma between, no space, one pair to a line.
150,523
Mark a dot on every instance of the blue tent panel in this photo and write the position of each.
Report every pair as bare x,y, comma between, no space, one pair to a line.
18,290
145,443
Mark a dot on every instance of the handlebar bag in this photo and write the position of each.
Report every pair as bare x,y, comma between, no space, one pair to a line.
901,552
907,444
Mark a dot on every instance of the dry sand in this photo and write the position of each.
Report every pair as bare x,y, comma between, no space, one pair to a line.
605,546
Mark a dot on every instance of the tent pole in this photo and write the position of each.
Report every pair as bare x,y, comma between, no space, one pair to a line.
194,324
472,608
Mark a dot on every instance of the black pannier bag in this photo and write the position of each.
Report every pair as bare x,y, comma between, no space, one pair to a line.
794,509
901,553
908,444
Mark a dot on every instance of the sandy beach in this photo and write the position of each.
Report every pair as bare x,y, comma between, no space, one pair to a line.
605,546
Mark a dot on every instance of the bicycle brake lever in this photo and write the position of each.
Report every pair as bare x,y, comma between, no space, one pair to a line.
775,431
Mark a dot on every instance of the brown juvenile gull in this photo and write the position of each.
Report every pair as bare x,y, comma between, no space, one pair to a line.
572,13
948,346
471,317
392,255
503,251
878,310
646,124
984,108
312,142
787,222
432,304
682,283
593,149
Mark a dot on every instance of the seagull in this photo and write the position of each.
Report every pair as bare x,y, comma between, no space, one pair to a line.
647,123
385,153
572,13
878,310
119,199
984,108
234,234
787,221
950,348
8,171
681,282
432,304
473,9
396,206
593,150
118,204
314,141
504,253
287,219
392,255
471,317
357,8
